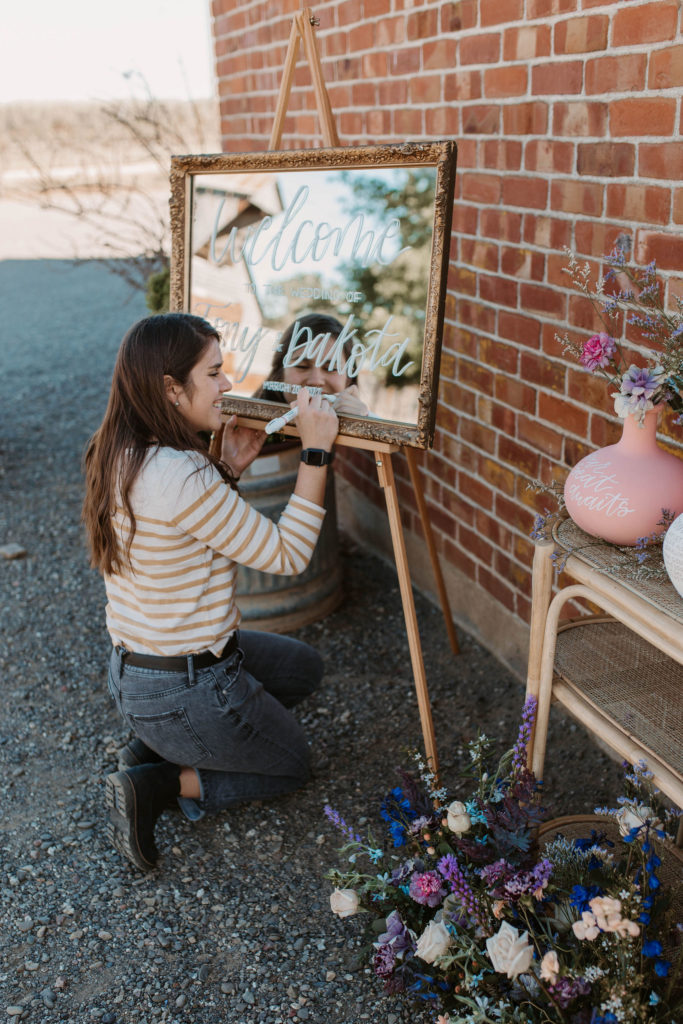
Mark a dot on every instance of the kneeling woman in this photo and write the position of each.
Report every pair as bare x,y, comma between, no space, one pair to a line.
209,704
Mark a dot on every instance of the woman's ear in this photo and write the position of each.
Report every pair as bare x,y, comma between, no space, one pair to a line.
173,389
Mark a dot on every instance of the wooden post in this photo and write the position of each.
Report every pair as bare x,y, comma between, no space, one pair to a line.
431,548
385,472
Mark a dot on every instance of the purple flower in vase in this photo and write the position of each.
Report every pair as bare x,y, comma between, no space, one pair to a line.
598,352
638,392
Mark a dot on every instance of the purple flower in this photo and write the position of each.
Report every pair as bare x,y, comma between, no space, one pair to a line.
598,351
337,820
384,961
451,871
499,871
639,386
507,884
427,889
396,936
519,754
565,990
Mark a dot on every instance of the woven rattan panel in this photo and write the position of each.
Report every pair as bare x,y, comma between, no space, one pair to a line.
629,680
649,580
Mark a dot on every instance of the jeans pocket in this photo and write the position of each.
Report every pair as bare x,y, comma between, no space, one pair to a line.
232,685
171,735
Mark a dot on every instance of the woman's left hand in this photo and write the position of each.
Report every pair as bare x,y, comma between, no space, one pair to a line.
240,445
349,403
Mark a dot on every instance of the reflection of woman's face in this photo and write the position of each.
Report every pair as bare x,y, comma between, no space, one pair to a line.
308,374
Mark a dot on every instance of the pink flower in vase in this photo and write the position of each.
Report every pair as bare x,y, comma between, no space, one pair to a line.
598,352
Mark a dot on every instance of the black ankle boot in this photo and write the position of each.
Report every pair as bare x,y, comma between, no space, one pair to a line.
135,799
137,752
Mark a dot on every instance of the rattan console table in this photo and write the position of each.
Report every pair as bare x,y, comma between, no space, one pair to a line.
619,673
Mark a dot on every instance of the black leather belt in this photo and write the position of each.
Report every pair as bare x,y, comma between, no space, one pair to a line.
180,663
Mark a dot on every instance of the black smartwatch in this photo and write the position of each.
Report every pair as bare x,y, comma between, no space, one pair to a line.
316,457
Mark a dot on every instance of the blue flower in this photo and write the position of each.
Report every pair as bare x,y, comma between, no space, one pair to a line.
398,833
582,895
652,948
662,968
654,999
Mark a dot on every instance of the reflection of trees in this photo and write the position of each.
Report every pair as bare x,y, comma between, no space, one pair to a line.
400,289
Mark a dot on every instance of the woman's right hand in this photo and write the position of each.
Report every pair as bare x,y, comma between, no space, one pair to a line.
317,421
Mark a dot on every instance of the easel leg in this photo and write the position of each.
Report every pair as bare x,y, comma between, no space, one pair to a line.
385,473
431,548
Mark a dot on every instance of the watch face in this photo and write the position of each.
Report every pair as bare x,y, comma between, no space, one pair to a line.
316,457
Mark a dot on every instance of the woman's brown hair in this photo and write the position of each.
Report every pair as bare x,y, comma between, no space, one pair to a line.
139,417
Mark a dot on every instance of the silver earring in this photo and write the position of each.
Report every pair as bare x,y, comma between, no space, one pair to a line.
177,403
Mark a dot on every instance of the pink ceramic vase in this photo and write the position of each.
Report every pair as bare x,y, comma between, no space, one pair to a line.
618,492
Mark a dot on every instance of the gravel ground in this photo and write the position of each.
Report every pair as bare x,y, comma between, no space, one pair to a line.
235,924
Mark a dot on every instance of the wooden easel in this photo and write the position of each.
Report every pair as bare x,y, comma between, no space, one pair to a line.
302,31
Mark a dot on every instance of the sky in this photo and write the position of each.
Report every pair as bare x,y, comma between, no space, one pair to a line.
80,50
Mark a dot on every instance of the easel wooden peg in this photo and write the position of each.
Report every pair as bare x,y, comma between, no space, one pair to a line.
302,31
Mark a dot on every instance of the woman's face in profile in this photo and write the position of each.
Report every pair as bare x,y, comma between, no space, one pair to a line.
308,374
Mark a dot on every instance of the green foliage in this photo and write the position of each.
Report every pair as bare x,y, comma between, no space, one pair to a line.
158,291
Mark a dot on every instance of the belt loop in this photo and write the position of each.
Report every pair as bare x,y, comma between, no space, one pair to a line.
190,670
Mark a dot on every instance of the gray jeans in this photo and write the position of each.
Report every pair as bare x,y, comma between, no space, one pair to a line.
230,722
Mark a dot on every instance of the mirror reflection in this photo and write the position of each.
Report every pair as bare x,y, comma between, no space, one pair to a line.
317,277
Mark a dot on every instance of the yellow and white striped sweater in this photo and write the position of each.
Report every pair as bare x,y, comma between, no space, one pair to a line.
191,530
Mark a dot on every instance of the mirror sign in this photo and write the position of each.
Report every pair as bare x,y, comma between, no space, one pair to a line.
324,268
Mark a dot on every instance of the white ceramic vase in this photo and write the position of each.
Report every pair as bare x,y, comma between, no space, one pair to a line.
672,552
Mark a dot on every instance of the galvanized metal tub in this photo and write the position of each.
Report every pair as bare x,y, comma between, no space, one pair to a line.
283,603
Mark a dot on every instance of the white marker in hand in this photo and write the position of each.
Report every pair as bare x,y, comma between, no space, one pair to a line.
287,417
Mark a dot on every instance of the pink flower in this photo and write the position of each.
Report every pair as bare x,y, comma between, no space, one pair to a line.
598,351
427,888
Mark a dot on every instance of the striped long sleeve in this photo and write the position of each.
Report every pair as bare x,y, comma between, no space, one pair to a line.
191,530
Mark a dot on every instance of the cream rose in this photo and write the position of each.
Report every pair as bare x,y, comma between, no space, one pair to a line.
550,967
457,818
344,902
510,952
433,942
634,816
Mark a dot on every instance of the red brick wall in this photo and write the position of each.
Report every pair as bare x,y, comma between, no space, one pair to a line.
567,115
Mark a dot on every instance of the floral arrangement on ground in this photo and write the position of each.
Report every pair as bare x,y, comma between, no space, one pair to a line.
467,910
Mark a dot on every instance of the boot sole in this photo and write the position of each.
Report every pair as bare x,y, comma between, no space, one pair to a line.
121,802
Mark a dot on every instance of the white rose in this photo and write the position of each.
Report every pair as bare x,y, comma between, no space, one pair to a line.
433,942
457,818
510,952
634,816
344,902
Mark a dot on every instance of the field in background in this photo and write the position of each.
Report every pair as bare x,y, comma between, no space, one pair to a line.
91,180
82,135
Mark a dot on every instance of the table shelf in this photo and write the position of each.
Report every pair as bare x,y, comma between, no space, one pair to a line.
619,673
